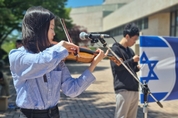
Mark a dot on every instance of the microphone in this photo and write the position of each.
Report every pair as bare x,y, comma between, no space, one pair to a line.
84,36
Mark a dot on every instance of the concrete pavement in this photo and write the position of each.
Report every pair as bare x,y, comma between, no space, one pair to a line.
98,101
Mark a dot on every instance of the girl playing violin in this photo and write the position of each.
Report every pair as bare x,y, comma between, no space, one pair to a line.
38,70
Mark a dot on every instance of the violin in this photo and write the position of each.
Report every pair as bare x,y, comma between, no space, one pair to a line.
85,55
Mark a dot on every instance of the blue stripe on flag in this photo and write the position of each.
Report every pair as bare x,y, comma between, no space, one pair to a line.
152,41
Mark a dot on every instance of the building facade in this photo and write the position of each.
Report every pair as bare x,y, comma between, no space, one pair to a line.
154,17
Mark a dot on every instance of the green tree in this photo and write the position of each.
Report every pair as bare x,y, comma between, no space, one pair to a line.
75,31
12,12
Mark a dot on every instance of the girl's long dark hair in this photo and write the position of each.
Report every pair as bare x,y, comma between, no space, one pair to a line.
35,27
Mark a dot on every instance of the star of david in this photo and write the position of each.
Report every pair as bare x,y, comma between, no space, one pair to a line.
151,64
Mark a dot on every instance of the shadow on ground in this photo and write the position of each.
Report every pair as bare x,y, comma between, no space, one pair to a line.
86,105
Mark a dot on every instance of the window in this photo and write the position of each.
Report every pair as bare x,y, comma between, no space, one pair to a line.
176,31
145,23
141,23
174,23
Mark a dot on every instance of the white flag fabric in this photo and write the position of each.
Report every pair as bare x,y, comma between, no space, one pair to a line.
159,66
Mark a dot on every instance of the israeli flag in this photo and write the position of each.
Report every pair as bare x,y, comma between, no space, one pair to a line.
159,66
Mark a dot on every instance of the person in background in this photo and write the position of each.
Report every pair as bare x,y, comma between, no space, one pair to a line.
125,85
4,83
38,70
18,43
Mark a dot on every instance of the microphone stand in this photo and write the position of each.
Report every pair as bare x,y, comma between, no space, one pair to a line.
145,89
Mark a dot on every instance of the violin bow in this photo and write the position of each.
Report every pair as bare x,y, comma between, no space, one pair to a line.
65,30
67,33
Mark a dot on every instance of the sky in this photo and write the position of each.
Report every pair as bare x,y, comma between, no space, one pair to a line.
82,3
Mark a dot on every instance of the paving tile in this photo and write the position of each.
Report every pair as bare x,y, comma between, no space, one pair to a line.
98,101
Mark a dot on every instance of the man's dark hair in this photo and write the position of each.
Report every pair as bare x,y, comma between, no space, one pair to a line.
131,29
